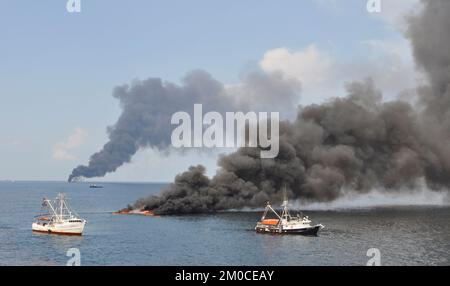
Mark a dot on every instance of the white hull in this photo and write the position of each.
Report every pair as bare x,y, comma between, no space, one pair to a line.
60,219
67,228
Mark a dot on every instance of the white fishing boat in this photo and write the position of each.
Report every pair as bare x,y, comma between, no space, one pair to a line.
59,218
285,223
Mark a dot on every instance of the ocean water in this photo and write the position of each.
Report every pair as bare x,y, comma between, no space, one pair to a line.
404,235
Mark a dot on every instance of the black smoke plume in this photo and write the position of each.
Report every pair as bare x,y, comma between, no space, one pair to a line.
358,142
148,106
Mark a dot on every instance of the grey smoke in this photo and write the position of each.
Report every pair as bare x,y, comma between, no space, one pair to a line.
148,106
358,142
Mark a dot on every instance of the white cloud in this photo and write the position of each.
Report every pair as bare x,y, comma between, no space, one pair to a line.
309,66
391,65
62,150
388,62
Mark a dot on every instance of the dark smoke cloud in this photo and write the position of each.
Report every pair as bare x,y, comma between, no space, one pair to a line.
148,106
357,142
430,39
353,143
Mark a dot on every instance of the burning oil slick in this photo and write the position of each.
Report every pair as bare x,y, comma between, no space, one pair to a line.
358,142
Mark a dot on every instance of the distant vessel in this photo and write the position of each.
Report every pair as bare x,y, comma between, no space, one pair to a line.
94,186
59,218
285,223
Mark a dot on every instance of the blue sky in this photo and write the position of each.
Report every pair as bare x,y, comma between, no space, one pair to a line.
57,70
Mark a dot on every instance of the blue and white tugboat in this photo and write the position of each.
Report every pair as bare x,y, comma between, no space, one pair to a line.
285,223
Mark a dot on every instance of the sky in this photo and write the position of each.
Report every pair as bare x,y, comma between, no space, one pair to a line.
58,69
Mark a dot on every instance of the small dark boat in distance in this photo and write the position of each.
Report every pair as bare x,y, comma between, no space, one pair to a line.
285,223
94,186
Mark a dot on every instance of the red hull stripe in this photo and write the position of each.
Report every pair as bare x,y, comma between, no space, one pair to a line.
56,232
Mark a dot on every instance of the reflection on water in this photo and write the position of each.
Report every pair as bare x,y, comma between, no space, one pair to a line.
404,235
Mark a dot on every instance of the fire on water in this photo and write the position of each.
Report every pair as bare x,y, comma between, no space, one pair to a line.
135,212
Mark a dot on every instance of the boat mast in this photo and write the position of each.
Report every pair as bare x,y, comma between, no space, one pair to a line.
61,197
49,204
285,214
269,207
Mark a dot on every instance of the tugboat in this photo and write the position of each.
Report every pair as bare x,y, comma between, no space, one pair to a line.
285,223
59,218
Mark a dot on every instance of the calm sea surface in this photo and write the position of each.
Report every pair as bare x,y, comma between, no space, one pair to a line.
404,235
